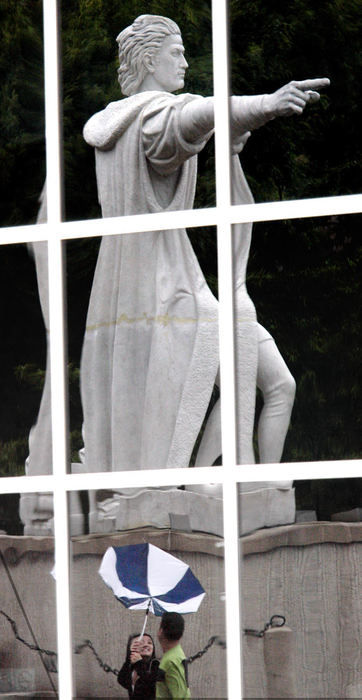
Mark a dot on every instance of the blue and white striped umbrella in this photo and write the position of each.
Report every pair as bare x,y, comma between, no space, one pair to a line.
144,577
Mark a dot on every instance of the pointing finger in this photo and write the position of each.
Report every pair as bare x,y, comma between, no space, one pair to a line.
313,84
313,96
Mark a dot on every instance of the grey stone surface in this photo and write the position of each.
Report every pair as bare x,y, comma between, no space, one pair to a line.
353,515
258,508
302,516
279,660
310,573
316,585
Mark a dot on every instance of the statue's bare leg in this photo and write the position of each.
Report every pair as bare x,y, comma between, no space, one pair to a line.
246,347
210,446
278,388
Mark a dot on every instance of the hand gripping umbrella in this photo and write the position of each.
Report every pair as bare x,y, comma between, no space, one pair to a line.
144,577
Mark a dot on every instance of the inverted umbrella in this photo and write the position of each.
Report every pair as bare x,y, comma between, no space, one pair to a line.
144,577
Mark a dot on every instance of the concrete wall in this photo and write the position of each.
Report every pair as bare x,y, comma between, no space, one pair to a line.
29,561
311,573
101,618
98,616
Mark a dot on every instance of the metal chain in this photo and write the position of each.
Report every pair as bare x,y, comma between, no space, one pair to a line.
54,654
87,643
34,647
275,621
199,654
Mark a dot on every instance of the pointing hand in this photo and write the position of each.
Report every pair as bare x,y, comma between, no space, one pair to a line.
293,97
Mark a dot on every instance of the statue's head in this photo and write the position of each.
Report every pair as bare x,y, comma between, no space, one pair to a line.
141,47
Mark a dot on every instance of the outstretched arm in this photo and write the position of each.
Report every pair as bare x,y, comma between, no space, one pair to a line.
251,112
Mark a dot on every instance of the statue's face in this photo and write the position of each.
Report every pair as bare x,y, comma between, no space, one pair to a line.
170,64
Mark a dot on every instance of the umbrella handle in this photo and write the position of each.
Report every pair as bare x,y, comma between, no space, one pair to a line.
145,621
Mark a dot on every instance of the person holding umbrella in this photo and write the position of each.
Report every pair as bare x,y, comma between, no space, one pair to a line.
145,577
139,671
172,680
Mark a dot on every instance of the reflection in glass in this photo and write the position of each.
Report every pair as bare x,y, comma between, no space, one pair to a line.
28,662
97,61
25,422
22,137
304,280
115,418
299,159
184,523
308,574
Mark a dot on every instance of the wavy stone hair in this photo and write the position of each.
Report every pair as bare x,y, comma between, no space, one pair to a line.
141,39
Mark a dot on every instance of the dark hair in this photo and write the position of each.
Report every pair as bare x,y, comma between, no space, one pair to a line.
172,625
135,636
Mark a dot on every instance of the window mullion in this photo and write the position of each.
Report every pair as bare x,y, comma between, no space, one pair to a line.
57,344
226,342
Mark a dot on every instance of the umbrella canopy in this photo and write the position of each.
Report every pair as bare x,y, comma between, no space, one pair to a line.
144,577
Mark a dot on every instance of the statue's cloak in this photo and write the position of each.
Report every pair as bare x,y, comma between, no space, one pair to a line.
150,353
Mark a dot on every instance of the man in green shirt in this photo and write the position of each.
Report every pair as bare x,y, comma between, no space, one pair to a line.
171,680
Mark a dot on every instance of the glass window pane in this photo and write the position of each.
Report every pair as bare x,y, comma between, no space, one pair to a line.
303,278
143,349
90,64
308,575
25,421
22,156
27,615
304,155
185,523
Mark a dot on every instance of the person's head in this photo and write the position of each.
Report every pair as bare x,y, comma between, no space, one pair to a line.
151,47
171,629
147,647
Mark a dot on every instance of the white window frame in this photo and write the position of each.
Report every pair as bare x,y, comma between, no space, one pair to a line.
55,231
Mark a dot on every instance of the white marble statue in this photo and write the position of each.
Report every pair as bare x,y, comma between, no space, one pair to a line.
36,510
150,356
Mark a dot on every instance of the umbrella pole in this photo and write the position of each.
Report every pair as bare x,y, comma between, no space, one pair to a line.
145,621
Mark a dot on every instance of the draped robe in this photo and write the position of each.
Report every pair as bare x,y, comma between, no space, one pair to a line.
150,354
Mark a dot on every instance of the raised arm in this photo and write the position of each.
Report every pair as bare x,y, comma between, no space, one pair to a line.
250,112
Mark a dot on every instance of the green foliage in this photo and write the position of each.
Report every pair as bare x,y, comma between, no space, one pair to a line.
12,457
308,298
31,375
22,110
272,43
9,514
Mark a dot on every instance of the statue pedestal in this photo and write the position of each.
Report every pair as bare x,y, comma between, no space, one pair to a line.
36,511
261,504
272,504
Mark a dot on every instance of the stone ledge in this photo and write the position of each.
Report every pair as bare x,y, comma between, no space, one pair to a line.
295,535
14,547
258,508
301,535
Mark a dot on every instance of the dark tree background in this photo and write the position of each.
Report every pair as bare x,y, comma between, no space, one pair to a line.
303,275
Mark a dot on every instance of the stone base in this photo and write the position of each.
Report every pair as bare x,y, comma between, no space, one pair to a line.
261,504
152,507
348,516
258,508
36,511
